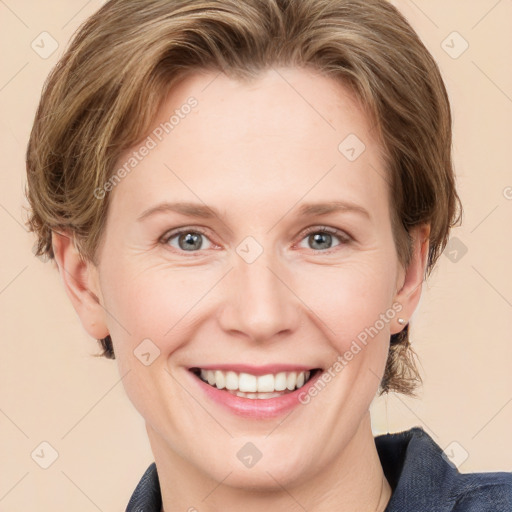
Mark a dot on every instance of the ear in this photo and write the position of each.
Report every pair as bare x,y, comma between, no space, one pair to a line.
81,283
410,281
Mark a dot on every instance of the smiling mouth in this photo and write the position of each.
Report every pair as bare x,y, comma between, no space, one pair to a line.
247,385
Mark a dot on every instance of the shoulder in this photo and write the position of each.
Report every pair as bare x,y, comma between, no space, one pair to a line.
423,477
483,492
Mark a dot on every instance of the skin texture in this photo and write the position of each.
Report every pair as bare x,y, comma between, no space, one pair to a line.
255,152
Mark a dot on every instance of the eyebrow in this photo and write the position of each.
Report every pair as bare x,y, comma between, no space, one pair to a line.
205,212
189,209
332,207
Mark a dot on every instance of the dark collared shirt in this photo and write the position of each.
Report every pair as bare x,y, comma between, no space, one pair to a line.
422,478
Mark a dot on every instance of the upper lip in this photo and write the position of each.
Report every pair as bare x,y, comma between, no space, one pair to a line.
256,370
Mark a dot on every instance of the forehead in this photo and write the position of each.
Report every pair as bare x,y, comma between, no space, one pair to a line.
287,133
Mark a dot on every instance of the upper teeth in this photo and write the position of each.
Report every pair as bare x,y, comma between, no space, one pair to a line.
248,383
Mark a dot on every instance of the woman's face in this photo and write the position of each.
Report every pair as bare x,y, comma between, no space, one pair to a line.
261,286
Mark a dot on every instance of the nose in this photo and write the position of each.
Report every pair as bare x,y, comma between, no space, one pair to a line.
260,303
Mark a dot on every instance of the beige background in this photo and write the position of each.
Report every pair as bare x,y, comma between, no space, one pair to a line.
52,390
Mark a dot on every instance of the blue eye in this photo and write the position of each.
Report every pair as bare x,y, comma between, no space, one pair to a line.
319,239
323,237
187,240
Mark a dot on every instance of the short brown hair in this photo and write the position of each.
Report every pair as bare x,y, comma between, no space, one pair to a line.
103,95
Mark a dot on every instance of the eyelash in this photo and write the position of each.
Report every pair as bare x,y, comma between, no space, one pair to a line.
343,237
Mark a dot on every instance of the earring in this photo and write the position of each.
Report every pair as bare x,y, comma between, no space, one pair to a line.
401,321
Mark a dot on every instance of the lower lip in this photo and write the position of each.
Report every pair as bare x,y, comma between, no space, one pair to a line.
257,408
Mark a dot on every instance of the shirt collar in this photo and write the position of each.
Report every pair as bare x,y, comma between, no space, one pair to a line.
419,473
147,496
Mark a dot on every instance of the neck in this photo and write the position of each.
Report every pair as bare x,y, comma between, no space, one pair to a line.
352,480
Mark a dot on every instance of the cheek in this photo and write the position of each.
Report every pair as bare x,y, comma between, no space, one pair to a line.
347,299
152,303
149,312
